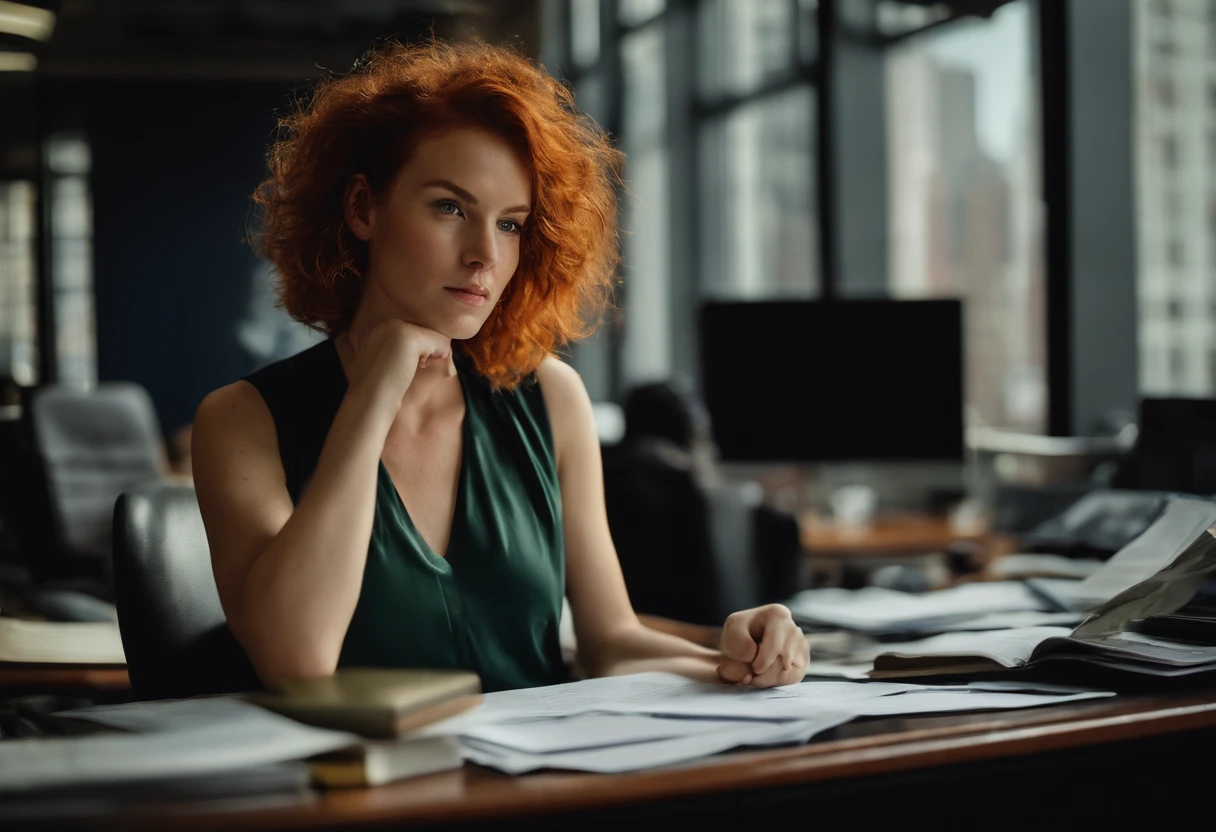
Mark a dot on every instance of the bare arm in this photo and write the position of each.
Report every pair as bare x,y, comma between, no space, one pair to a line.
611,639
289,576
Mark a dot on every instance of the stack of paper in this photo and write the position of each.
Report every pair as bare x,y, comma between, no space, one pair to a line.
208,737
979,606
656,719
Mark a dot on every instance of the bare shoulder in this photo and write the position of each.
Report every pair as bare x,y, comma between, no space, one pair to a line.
567,401
234,410
558,380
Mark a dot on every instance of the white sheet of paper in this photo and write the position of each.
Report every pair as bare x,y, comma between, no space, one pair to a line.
1184,519
945,701
666,752
587,731
876,609
215,736
665,694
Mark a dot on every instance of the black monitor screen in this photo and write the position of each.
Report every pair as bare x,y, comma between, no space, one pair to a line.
815,381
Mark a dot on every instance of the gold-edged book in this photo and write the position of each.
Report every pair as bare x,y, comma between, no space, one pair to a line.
376,702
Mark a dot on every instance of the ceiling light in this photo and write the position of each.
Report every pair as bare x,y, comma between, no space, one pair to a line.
26,21
17,62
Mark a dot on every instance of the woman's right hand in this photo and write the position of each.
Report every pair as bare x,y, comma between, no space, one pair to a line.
386,361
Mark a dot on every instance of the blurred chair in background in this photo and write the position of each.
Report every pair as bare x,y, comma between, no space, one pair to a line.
79,450
693,547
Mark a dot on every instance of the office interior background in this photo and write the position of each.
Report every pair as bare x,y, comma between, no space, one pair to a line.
1046,164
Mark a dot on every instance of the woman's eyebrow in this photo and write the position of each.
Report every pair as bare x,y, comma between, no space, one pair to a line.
449,185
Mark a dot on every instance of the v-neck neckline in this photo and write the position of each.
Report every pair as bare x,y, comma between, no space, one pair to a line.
466,444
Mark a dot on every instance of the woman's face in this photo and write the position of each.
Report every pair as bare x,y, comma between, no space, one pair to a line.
444,237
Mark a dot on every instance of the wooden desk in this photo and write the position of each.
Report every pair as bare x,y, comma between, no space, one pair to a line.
902,534
70,679
874,772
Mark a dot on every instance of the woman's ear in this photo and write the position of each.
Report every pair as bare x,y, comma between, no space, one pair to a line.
357,207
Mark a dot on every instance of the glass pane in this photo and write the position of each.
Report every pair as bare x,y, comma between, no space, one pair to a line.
76,339
18,315
72,262
647,294
589,95
742,44
584,32
1175,55
808,31
759,230
635,12
966,214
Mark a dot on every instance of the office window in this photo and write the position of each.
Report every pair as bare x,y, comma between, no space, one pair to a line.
644,212
743,45
71,229
1176,252
759,229
18,309
965,200
637,12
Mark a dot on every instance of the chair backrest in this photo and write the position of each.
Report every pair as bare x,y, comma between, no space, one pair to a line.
1175,449
93,445
173,627
691,551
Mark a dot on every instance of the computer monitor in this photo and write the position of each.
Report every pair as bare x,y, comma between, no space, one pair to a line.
825,381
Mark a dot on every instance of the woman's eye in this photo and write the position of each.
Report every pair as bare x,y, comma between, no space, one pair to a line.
508,226
448,207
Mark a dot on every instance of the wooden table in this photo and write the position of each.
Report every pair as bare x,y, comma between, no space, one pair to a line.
900,534
70,679
1070,764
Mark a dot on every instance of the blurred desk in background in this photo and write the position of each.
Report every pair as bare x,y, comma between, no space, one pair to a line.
897,538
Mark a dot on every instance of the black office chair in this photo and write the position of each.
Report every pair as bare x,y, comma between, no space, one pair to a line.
174,632
690,551
1175,449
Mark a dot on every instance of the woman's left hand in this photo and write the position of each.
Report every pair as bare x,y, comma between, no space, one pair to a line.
763,647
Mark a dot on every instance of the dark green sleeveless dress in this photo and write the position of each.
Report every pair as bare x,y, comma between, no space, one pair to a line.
493,604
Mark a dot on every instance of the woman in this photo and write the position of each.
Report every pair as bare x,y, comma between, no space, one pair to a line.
422,487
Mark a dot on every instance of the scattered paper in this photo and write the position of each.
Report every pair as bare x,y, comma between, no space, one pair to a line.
654,754
218,735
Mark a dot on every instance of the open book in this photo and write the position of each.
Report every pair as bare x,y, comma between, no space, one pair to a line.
1110,637
60,643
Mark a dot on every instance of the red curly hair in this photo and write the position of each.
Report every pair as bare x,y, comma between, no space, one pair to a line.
369,120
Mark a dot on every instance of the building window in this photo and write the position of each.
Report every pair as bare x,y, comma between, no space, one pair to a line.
1169,151
1165,93
1176,253
965,200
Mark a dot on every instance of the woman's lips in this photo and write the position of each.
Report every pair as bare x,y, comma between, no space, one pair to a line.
471,298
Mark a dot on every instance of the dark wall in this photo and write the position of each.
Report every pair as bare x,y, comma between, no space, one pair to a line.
174,164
